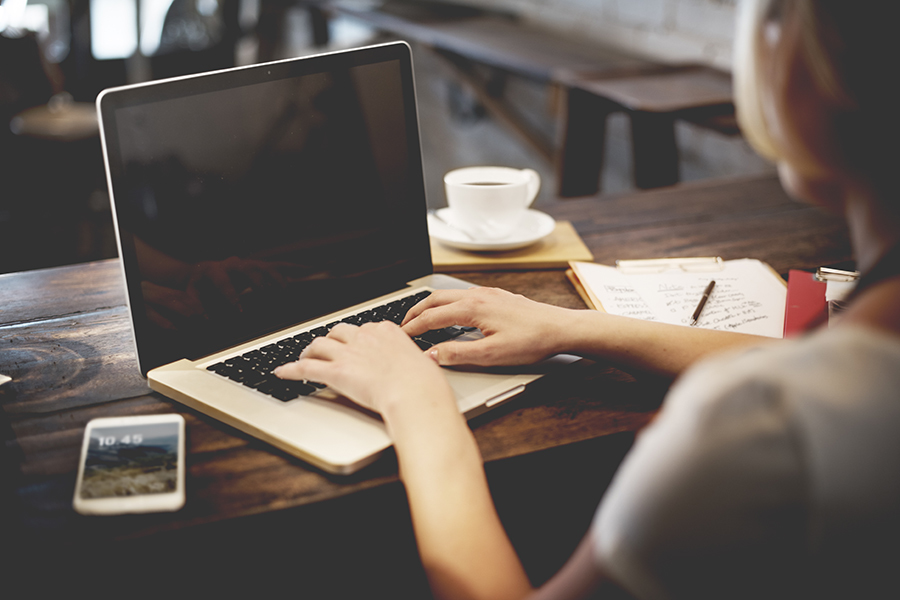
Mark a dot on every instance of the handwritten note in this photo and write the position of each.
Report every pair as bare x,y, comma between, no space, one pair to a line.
748,296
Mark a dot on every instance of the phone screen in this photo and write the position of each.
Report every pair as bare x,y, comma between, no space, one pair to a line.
131,460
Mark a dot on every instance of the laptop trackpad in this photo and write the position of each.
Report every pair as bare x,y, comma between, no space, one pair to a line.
477,386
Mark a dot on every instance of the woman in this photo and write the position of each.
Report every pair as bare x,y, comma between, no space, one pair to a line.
768,473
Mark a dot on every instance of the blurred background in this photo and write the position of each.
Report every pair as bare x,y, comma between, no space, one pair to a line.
477,107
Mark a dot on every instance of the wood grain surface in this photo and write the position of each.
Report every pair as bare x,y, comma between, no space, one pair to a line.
65,339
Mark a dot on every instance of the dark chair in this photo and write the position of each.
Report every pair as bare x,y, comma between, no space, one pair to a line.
193,43
46,179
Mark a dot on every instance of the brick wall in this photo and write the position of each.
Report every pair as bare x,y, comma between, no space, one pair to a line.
663,30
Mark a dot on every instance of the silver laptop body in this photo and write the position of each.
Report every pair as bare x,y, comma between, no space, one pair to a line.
261,203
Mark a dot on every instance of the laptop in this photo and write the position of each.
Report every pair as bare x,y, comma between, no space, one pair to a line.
254,208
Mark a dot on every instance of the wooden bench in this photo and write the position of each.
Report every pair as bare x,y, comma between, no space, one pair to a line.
597,80
654,101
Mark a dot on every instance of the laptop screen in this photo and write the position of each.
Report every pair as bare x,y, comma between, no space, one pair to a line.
252,199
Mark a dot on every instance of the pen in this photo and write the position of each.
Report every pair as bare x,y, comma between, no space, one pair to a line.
699,309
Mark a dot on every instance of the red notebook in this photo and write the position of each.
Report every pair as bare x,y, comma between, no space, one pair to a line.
805,307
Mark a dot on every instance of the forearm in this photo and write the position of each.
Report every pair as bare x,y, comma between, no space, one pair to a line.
521,331
656,347
462,544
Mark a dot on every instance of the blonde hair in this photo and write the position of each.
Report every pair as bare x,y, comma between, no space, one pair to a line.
748,76
845,47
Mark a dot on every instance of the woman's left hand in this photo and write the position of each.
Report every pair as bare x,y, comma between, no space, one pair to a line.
376,365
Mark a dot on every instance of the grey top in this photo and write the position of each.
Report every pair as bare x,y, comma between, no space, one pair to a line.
770,473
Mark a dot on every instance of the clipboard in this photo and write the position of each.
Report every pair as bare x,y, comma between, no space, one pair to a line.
749,296
814,299
696,264
693,264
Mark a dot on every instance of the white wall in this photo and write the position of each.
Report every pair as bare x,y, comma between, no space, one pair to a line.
663,30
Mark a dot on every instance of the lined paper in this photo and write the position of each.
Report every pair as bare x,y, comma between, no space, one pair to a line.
748,297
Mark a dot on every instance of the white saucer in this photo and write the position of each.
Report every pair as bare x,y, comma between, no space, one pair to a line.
533,227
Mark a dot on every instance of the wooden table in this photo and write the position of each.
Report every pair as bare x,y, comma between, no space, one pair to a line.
65,340
58,122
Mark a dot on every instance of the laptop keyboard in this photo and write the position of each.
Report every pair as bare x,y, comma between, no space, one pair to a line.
254,368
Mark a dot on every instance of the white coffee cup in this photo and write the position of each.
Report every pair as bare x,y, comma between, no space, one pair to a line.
489,202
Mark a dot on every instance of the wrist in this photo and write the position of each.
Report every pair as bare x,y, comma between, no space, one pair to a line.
413,406
431,438
593,333
573,331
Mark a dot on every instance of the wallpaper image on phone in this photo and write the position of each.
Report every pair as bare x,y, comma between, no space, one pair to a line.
131,460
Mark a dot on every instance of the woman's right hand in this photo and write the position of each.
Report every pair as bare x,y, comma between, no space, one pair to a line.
517,330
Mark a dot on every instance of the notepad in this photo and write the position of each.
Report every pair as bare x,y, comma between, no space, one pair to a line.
749,297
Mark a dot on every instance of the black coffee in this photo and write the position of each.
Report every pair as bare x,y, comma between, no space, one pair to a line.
487,183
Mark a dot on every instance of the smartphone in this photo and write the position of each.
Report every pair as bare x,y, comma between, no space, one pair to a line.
131,465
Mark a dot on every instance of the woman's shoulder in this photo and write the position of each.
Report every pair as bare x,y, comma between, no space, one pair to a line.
849,367
830,392
835,396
